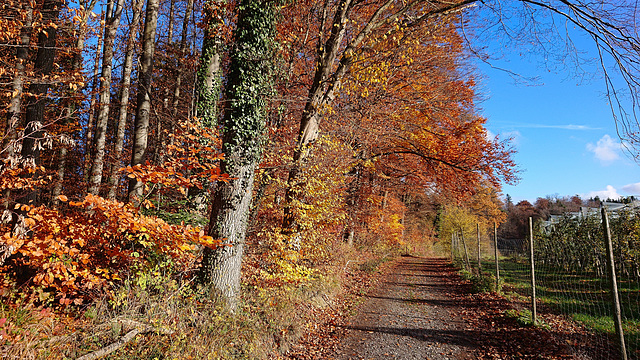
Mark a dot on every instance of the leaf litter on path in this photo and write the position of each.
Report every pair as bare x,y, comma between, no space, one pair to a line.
422,309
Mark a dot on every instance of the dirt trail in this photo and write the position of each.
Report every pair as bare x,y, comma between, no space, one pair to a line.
416,313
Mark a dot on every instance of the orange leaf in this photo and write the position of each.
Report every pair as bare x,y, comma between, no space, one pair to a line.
63,198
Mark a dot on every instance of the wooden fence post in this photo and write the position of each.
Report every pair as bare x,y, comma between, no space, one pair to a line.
611,267
466,252
533,275
478,237
452,257
495,248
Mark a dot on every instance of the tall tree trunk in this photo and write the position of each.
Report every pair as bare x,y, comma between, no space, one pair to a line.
209,79
88,151
74,104
249,84
309,124
334,58
33,132
114,10
143,106
124,98
183,48
171,21
15,105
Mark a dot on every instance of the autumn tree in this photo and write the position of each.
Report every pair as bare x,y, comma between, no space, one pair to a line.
143,105
335,54
249,84
516,225
124,98
112,22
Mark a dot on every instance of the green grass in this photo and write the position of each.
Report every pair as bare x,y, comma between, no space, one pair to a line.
584,297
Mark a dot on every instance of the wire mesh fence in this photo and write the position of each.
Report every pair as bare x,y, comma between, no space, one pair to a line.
573,282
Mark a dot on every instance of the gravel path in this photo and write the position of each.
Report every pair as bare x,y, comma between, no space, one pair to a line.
414,314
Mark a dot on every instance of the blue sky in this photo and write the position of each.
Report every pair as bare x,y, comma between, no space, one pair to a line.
563,130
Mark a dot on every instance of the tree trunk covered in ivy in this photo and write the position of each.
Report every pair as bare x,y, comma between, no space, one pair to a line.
143,107
209,76
249,85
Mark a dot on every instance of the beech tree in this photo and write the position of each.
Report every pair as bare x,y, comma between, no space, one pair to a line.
143,106
247,90
112,22
124,97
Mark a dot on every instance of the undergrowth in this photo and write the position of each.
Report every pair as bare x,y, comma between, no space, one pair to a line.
482,283
176,317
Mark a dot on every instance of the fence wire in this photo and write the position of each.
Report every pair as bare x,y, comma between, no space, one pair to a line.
573,284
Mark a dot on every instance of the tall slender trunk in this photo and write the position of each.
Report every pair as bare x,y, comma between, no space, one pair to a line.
334,58
320,88
9,144
124,98
208,80
183,48
15,105
172,5
88,151
143,106
43,66
112,19
249,84
76,66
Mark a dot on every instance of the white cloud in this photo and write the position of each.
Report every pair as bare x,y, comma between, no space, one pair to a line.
606,150
632,188
563,127
513,135
490,136
609,193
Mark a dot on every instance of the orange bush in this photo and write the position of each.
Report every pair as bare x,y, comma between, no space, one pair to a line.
84,249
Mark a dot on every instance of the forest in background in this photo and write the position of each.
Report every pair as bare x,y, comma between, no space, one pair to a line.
271,142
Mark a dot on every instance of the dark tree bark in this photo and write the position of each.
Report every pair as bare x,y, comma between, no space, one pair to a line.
38,89
34,133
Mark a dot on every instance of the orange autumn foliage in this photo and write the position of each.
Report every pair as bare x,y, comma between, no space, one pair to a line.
82,247
85,248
